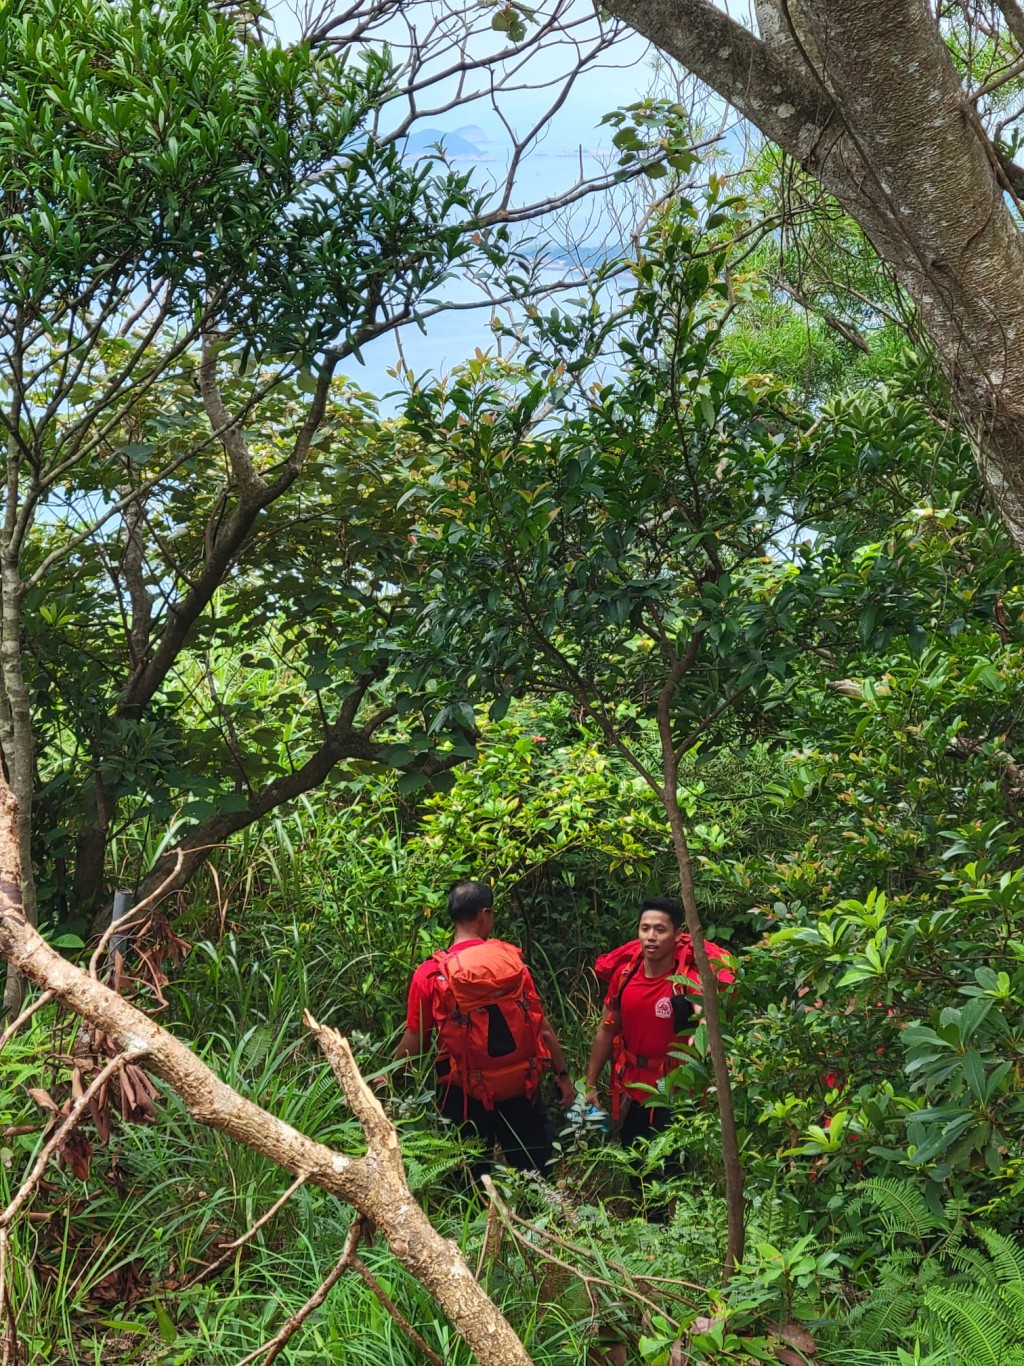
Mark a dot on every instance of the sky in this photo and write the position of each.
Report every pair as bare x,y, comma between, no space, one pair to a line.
551,166
574,138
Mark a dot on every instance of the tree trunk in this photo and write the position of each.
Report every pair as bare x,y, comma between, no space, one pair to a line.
731,1161
866,98
374,1184
89,894
19,752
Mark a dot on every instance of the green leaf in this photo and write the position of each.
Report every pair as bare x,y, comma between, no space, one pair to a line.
166,1325
410,782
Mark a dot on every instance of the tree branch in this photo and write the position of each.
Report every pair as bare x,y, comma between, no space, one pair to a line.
1014,16
277,1344
374,1184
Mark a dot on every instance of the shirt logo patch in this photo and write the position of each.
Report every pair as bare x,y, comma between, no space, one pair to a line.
663,1008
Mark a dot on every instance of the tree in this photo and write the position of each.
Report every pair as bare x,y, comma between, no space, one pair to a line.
910,121
631,555
197,230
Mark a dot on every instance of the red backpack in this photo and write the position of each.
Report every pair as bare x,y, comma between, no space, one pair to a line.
617,967
488,1019
609,963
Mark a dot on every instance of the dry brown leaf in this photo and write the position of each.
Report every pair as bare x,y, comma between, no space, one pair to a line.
793,1335
789,1356
43,1099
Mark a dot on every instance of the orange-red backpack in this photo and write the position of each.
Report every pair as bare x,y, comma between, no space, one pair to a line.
488,1019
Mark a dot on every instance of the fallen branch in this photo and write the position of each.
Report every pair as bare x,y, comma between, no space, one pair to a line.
371,1281
277,1343
374,1184
231,1248
511,1220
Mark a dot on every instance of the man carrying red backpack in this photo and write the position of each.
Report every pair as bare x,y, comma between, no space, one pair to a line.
651,1004
494,1040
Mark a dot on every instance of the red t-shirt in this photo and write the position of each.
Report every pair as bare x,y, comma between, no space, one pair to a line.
647,1026
419,1013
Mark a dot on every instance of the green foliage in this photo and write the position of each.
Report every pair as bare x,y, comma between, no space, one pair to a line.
545,536
149,145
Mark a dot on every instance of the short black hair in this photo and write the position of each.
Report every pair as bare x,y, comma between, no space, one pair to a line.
668,904
467,899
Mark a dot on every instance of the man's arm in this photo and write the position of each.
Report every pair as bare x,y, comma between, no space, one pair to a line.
411,1044
566,1089
601,1051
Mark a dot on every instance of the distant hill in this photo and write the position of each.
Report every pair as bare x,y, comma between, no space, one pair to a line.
467,143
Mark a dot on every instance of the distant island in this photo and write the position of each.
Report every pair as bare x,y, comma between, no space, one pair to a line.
468,143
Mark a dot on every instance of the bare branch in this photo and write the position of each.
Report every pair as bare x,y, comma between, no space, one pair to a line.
388,1304
133,916
362,1099
271,1350
708,721
64,1128
43,999
229,429
238,1243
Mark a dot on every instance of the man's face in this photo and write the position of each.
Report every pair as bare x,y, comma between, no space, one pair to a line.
657,935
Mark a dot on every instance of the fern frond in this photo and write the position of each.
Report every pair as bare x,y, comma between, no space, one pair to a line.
975,1317
902,1207
886,1314
1007,1255
1013,1297
900,1266
974,1266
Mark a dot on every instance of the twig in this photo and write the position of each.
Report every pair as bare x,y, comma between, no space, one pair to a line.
485,1246
63,1129
1008,73
146,904
371,1281
510,1219
274,1347
708,721
231,1248
623,1271
44,998
8,1323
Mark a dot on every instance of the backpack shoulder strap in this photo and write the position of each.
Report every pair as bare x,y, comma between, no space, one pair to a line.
622,979
684,959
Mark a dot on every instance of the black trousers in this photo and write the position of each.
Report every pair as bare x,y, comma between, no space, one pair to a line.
521,1127
639,1121
639,1124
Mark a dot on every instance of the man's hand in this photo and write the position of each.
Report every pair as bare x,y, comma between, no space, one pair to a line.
590,1096
566,1090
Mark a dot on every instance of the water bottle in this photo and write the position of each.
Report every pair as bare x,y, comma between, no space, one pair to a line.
588,1119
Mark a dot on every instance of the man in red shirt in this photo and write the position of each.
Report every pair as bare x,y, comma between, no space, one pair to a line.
651,1013
474,1092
